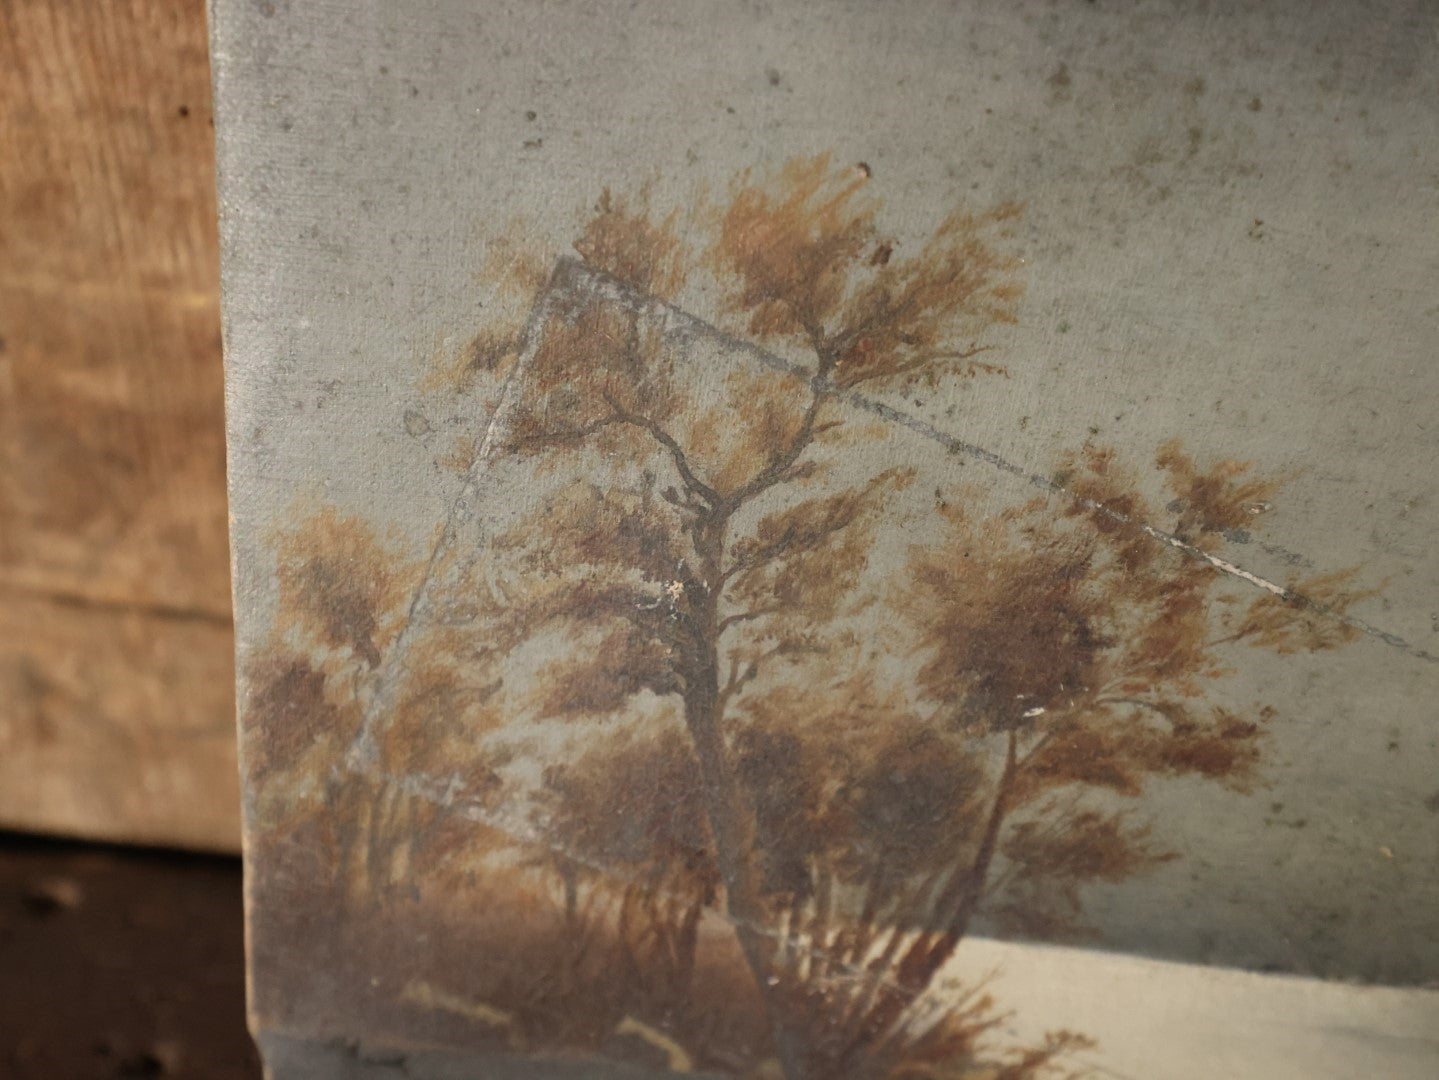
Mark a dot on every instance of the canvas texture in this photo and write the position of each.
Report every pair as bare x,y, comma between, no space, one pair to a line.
814,540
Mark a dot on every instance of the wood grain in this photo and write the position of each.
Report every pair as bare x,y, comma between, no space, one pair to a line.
114,592
117,723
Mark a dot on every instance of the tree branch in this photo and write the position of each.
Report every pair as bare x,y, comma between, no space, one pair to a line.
1239,635
1057,820
1033,752
746,616
928,953
820,390
920,361
665,439
1152,706
760,555
738,678
562,437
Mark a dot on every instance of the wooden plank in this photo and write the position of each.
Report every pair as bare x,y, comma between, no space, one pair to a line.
112,503
116,724
113,444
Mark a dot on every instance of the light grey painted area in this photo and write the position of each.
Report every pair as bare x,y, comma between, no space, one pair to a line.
1231,235
1183,1022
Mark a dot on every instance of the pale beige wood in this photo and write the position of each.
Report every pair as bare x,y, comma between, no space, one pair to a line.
114,592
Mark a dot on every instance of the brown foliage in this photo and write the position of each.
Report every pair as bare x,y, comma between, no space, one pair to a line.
805,558
1010,628
809,261
343,595
631,246
621,663
634,805
444,704
513,271
1303,620
339,582
287,714
1212,501
1050,857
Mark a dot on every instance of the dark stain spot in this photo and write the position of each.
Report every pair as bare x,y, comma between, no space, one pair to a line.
772,75
1255,104
52,896
1195,86
1432,803
184,111
531,115
163,1059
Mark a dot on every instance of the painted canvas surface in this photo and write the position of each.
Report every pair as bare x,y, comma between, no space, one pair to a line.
776,542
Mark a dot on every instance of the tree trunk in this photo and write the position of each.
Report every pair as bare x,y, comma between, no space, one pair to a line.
731,818
733,827
375,844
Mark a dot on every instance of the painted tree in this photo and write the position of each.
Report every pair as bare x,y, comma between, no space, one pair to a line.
343,593
636,868
853,761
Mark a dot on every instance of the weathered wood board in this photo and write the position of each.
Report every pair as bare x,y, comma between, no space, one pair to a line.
115,642
794,540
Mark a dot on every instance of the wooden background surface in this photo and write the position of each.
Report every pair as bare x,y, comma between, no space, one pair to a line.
115,640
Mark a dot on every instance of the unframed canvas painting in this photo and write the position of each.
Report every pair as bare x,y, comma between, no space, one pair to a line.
776,542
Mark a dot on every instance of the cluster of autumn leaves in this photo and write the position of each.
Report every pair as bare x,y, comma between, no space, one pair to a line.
852,776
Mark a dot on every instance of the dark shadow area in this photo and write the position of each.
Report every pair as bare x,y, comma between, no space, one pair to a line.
120,962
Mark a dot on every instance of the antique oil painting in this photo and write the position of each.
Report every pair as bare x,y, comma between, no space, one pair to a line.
733,584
